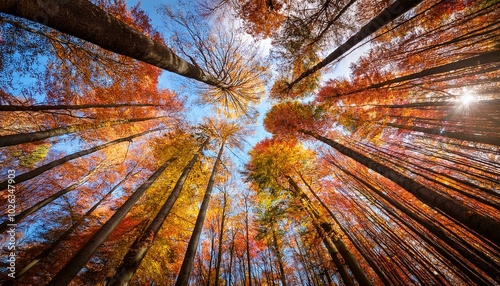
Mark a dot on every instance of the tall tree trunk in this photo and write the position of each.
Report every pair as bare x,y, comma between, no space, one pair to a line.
270,266
33,173
487,227
14,139
221,234
78,261
72,107
304,262
349,235
467,251
70,230
4,226
333,251
398,8
481,59
187,263
279,256
231,256
243,270
212,251
324,229
247,242
484,139
84,20
141,245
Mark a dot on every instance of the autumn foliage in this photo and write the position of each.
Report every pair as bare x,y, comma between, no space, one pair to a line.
380,165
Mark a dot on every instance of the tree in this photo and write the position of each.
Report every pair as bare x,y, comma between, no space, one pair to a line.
246,203
5,225
227,133
221,238
65,275
271,232
140,247
302,117
445,241
484,58
73,227
390,13
13,139
80,19
323,229
226,55
187,264
271,167
39,170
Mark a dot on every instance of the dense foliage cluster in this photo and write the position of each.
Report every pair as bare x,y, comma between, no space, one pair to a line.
383,173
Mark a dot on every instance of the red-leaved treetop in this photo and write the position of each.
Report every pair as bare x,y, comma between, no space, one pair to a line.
288,118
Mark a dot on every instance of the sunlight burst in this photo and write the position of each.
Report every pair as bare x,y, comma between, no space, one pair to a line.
466,99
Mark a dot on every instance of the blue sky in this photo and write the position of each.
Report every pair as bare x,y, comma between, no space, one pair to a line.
177,83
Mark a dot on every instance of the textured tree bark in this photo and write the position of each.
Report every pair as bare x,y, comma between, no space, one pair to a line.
78,261
487,227
187,263
84,20
398,8
33,173
14,139
141,245
70,230
337,243
221,234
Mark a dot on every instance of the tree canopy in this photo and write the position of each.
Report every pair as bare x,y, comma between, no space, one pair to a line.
256,142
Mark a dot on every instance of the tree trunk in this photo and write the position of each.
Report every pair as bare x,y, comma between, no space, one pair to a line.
212,251
481,59
466,251
221,234
14,139
279,257
84,20
70,230
333,251
305,263
33,173
484,139
398,8
487,227
349,235
187,263
72,107
141,245
5,225
231,256
71,269
323,228
247,242
270,266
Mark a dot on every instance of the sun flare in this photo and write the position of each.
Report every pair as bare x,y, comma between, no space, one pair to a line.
466,99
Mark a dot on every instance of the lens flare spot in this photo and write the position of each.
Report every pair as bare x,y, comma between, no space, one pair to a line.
466,99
